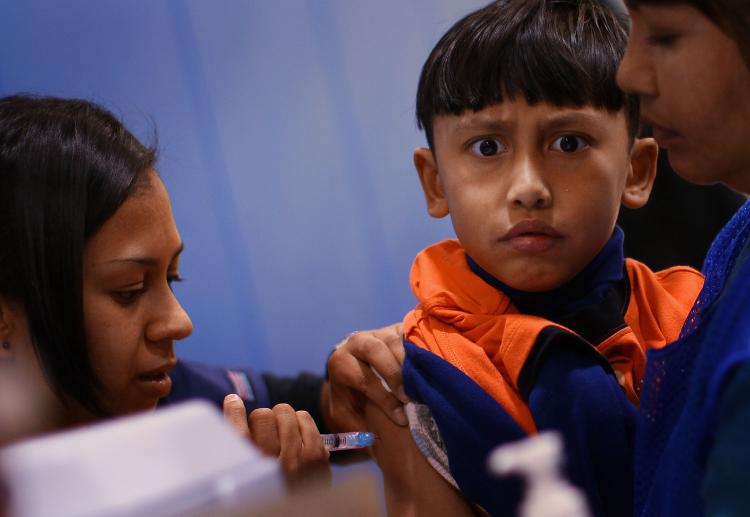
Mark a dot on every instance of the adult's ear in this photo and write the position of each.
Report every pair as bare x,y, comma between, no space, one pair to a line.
8,323
426,165
641,174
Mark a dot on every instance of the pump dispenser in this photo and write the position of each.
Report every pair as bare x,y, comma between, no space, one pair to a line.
538,460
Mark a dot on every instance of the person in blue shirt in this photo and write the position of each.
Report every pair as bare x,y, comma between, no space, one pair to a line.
689,62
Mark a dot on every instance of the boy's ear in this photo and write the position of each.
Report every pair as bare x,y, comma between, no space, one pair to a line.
642,173
426,165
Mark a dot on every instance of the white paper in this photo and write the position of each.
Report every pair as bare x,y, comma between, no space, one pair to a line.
176,461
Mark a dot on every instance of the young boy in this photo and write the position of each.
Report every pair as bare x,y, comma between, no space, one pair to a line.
533,319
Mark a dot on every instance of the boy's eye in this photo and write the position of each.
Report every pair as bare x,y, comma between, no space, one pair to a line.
487,147
569,143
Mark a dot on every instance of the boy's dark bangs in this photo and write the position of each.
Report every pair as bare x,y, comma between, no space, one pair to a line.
563,52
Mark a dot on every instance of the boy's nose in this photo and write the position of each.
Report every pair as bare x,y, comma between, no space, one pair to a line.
528,189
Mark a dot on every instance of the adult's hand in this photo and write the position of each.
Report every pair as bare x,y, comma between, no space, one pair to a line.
352,379
286,434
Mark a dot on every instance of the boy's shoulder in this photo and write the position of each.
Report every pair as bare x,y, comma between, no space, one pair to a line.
440,276
667,295
675,278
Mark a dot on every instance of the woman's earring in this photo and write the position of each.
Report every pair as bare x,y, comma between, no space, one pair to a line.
6,345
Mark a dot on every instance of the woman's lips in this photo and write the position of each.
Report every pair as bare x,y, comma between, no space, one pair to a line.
157,386
664,136
156,383
531,237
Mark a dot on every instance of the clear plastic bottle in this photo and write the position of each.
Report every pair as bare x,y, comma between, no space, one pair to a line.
538,459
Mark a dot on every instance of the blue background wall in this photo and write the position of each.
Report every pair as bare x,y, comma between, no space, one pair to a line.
286,130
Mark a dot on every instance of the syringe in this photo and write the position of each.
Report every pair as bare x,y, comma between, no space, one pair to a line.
346,441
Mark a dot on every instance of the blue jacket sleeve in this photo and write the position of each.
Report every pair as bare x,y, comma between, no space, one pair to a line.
572,389
212,383
301,391
471,424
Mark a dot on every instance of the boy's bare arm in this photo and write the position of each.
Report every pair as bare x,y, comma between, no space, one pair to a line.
412,486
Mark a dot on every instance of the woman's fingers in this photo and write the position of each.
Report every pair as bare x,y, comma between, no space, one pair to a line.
313,449
281,432
235,414
314,455
383,351
369,386
290,438
355,370
293,437
393,337
264,431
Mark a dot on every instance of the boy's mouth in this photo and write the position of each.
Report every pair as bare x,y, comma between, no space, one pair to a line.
531,236
530,227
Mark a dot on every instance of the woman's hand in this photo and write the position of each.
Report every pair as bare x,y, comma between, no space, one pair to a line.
352,381
286,434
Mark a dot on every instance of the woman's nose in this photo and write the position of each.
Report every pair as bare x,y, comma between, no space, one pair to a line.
635,75
172,323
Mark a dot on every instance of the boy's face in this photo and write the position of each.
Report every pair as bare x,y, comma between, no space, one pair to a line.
534,191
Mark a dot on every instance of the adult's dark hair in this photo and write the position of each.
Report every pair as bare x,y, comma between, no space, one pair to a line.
66,166
732,16
564,52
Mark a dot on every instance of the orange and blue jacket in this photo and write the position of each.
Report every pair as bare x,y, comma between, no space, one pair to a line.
571,360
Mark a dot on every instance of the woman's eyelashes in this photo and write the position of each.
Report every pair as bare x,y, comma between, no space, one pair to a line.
171,279
129,296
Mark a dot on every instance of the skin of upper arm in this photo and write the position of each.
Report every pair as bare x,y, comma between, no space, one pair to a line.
412,487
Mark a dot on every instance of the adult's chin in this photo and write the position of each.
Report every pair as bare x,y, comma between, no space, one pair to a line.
691,167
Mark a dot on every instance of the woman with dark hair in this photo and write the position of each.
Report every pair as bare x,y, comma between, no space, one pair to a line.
689,62
89,251
67,168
